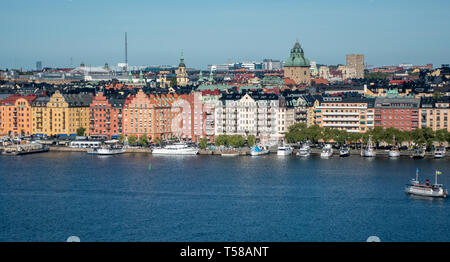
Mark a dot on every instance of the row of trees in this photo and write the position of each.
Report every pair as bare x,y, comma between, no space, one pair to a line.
142,140
421,136
235,140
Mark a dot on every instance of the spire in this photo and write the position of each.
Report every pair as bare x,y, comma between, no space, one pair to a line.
182,59
200,76
211,78
130,77
141,79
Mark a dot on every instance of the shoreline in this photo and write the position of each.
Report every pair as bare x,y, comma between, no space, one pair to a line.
244,152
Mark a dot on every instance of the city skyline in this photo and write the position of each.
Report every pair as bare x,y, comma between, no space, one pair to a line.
66,33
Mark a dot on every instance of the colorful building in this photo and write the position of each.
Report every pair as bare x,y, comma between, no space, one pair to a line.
63,115
137,115
352,114
15,115
401,113
434,113
106,116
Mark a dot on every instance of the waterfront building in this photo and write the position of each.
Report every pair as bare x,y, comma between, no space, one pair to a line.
357,63
248,114
15,115
401,113
137,115
352,114
192,117
106,116
434,113
62,115
40,116
297,67
166,115
182,76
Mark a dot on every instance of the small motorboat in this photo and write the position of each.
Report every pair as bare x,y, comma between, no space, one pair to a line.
394,152
327,151
369,151
418,153
304,151
284,150
439,152
259,150
344,151
435,190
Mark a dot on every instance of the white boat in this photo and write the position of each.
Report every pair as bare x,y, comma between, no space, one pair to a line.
344,152
304,151
394,152
439,152
284,150
327,151
106,151
435,190
259,150
175,149
230,154
369,151
418,153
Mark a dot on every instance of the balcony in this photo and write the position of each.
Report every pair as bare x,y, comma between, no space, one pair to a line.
341,119
340,113
340,125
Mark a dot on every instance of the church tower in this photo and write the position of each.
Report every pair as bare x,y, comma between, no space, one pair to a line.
182,76
297,67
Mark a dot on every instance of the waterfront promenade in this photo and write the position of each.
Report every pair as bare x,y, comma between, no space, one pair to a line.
242,151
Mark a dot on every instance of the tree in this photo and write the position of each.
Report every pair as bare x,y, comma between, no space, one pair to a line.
80,131
251,140
203,143
143,140
222,140
157,140
376,76
121,138
236,141
132,140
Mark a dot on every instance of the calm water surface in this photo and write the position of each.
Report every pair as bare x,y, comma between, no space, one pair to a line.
51,196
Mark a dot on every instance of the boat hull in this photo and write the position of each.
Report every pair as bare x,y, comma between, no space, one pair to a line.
427,192
394,154
284,152
106,152
163,151
258,153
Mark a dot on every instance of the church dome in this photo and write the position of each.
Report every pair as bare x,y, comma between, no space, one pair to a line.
297,58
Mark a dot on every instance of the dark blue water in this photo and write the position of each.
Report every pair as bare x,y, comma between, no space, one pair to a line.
51,196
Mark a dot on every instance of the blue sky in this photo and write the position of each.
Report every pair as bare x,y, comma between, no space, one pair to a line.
386,32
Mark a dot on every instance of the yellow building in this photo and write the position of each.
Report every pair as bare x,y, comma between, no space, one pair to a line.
61,115
434,113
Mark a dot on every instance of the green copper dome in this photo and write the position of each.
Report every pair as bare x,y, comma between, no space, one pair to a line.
297,57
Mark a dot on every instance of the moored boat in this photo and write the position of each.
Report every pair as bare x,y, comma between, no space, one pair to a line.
259,150
344,151
418,153
435,190
284,150
369,151
327,151
304,151
394,152
106,150
439,152
175,149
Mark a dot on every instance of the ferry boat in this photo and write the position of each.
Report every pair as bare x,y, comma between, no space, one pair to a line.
106,150
369,151
175,149
327,151
435,190
418,153
23,149
284,150
344,151
304,151
259,150
439,152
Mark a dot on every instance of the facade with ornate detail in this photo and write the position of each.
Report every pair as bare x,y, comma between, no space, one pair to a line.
182,76
106,116
297,67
